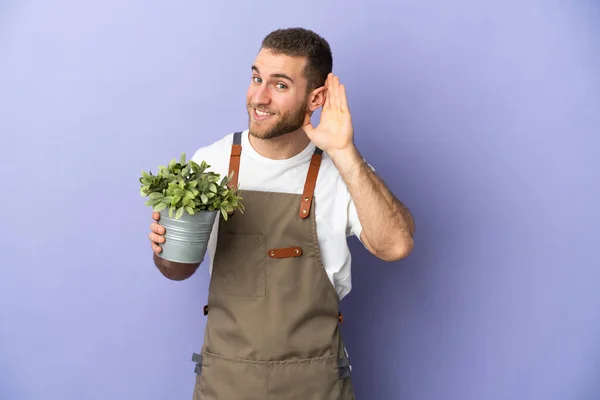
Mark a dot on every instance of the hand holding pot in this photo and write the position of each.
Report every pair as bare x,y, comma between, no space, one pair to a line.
156,234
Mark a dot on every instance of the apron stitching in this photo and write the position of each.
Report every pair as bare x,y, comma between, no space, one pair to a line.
273,362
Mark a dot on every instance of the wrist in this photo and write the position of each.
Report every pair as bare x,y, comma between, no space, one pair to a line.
346,159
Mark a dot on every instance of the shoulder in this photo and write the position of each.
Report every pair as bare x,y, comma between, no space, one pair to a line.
218,147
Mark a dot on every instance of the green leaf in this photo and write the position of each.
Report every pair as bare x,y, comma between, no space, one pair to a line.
189,210
189,186
160,206
224,213
153,202
179,213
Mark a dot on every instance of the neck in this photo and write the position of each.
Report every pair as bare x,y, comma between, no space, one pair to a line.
282,147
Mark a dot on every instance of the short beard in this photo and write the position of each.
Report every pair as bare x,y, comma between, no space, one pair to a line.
288,123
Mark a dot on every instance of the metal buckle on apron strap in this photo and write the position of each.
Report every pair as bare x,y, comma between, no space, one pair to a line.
344,367
197,358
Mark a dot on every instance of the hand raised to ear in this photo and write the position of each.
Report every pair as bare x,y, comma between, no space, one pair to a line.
335,131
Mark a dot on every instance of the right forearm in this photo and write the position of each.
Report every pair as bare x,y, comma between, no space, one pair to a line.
174,270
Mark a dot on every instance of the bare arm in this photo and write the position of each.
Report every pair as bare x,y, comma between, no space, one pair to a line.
388,226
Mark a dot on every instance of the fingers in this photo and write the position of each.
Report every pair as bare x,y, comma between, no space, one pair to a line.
336,85
156,215
156,238
156,228
156,248
336,94
156,235
343,99
331,92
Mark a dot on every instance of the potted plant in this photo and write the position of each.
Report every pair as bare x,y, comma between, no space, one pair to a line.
189,198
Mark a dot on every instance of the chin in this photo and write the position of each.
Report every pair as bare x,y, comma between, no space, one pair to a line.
261,133
261,130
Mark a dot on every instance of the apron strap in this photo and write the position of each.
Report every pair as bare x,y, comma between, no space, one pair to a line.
197,358
234,159
310,183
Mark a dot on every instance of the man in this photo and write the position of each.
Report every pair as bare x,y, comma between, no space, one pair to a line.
279,270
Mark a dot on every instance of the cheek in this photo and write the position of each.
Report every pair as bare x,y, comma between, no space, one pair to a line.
287,102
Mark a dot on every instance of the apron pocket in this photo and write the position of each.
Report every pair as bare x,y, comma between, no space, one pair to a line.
223,379
313,379
239,265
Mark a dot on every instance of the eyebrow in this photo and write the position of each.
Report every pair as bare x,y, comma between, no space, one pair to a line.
283,76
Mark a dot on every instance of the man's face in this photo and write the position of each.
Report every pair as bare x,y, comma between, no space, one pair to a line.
277,95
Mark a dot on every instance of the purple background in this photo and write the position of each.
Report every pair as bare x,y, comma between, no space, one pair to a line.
484,117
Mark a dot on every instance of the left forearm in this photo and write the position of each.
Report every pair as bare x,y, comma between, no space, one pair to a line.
387,225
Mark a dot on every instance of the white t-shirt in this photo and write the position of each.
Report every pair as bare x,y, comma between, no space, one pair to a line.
335,213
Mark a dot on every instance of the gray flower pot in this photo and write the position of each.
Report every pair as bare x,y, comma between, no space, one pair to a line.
186,238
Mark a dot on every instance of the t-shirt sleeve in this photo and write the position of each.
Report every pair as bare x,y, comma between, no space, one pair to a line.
200,155
354,227
216,155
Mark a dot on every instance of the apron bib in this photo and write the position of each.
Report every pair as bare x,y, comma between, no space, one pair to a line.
273,319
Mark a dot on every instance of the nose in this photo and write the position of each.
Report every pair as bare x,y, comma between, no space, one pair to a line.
261,95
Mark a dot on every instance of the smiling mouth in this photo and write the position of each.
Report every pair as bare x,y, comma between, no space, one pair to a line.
261,115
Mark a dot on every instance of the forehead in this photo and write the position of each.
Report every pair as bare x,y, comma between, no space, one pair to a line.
269,63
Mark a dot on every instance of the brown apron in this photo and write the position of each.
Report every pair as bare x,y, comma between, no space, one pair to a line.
273,318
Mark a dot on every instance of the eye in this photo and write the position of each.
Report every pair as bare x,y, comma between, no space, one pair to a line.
281,86
256,79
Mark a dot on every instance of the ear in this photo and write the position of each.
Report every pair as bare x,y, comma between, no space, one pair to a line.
316,99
